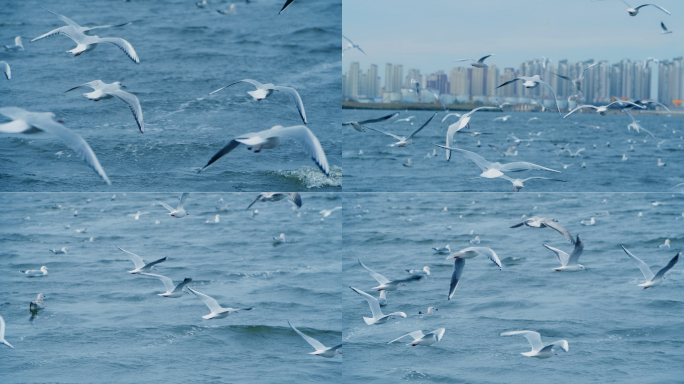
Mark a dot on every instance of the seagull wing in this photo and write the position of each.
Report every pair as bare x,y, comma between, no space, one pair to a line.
386,133
415,334
54,32
346,38
482,59
477,159
648,274
133,104
95,84
533,337
523,166
422,126
561,343
487,252
497,149
183,196
562,77
2,332
69,21
555,99
253,82
585,69
578,108
372,301
509,82
104,26
314,343
225,150
254,201
181,285
669,266
563,257
149,265
7,70
287,4
137,260
298,100
456,276
577,252
553,225
650,134
380,278
168,207
306,138
73,140
210,302
296,198
167,282
123,45
379,119
657,6
438,333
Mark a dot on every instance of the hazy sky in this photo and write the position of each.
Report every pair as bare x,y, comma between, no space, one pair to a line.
429,34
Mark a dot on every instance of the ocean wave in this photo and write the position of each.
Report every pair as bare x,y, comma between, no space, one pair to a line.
313,178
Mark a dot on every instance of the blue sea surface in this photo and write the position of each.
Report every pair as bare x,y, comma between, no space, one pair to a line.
185,53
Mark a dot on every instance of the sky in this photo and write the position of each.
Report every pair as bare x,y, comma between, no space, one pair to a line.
430,34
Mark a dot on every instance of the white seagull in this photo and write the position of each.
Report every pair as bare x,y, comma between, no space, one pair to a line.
651,279
408,119
503,118
173,291
533,82
6,69
544,222
85,42
295,197
378,316
2,333
217,312
509,151
43,271
351,45
137,214
420,272
18,46
539,350
265,90
492,170
446,249
179,212
385,283
420,339
635,11
327,212
358,125
107,91
321,350
383,298
602,109
31,122
477,64
463,122
270,138
140,265
578,81
38,304
73,24
451,114
430,311
404,141
62,251
518,184
638,128
459,262
665,30
569,262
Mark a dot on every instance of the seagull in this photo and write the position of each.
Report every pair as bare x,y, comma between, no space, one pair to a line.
378,317
451,114
230,11
532,119
82,230
408,163
445,249
351,45
516,139
6,70
217,312
216,219
638,128
28,122
107,91
503,105
665,30
179,212
518,184
270,138
440,101
408,119
62,251
383,298
509,151
544,222
73,24
545,61
477,64
265,90
492,170
2,333
635,11
578,81
539,350
405,141
572,154
43,271
321,350
569,262
358,125
85,42
420,339
543,108
602,109
277,196
430,311
385,283
420,272
651,279
36,305
173,291
137,214
287,4
590,222
533,82
18,46
280,239
463,122
503,118
327,212
140,265
459,262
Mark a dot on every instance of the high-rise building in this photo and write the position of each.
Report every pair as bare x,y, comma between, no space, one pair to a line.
492,81
353,80
459,83
372,79
670,80
478,81
438,82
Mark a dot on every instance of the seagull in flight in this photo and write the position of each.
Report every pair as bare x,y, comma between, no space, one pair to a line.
477,64
635,11
287,4
451,114
518,184
140,265
358,125
569,262
602,110
539,350
509,151
351,45
85,42
179,212
503,118
533,82
420,339
107,91
73,24
270,138
638,128
378,316
544,222
277,196
492,170
18,46
173,291
385,283
31,122
652,280
578,81
665,30
321,350
408,119
2,333
6,69
405,141
463,122
217,312
459,262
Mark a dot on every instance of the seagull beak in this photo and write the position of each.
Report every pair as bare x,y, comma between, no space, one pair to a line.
60,121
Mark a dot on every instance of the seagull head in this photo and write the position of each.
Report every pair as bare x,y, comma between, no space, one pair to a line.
581,266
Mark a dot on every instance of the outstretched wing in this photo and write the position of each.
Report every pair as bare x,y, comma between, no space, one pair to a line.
133,104
487,252
380,278
168,207
415,334
95,84
212,304
372,301
167,282
554,95
379,119
314,343
533,337
254,201
386,133
183,196
509,82
477,159
422,126
123,45
438,333
657,6
456,276
648,274
64,19
296,198
578,108
7,70
524,166
137,260
556,227
562,77
298,100
308,140
577,252
224,151
563,256
667,267
585,69
287,4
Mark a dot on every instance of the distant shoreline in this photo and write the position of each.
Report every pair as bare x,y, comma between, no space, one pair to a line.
470,107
